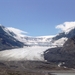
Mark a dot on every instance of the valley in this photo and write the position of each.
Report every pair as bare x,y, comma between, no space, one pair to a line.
42,55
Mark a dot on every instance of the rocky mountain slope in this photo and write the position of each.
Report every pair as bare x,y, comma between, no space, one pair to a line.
64,55
7,41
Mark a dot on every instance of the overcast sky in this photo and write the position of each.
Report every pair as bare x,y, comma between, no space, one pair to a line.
38,17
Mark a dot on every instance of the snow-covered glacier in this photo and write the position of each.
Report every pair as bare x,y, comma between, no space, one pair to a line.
26,53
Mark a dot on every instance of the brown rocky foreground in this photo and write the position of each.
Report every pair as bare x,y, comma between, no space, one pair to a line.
27,68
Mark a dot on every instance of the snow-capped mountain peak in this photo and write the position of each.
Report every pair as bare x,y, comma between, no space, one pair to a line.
69,29
4,30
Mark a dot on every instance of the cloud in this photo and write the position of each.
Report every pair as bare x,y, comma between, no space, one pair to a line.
17,31
65,26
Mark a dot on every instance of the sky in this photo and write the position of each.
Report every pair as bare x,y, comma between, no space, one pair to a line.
38,17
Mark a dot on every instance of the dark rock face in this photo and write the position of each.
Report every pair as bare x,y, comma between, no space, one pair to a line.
62,54
52,55
7,41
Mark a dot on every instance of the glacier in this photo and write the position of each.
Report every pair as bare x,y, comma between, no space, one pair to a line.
26,53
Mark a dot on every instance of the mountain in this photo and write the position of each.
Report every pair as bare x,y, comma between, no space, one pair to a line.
50,41
62,37
29,40
68,33
20,39
65,56
7,41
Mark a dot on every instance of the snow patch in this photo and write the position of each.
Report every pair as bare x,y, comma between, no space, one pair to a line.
60,41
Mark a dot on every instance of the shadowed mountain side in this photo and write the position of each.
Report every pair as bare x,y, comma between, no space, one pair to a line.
7,41
65,54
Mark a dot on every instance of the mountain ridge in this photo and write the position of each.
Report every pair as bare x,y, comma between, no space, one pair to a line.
53,40
7,41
